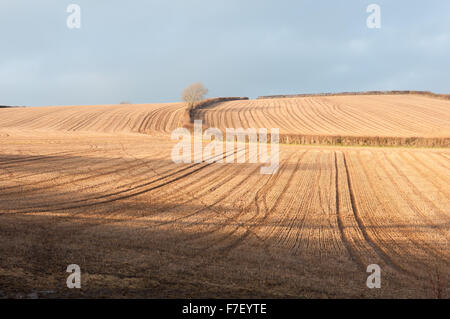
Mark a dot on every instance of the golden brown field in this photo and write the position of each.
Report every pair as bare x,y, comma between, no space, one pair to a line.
365,119
376,115
96,186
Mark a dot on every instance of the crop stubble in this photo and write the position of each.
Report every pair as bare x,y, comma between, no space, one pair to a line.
84,185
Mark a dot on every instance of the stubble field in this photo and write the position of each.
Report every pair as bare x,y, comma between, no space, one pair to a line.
96,186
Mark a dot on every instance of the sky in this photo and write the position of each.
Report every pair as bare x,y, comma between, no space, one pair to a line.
148,51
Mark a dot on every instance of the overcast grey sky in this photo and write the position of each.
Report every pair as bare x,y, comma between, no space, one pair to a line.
148,51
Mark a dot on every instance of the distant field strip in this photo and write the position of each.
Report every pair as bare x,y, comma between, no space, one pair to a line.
349,120
396,120
138,118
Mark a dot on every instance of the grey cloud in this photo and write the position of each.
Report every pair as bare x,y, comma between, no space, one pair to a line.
147,51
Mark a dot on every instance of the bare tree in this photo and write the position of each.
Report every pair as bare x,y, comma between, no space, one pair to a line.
193,94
